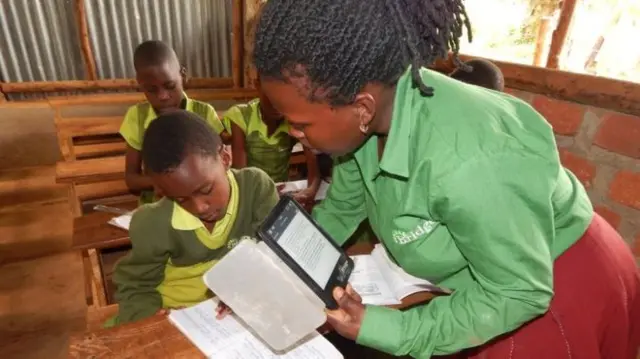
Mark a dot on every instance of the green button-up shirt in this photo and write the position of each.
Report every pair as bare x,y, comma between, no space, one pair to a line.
469,194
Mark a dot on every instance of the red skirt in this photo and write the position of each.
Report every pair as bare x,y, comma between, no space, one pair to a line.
595,311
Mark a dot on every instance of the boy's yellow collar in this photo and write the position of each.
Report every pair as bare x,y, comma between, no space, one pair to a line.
185,221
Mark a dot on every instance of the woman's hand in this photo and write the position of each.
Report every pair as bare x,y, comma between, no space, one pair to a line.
306,198
347,319
222,310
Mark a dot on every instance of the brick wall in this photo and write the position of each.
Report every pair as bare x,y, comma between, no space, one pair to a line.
602,148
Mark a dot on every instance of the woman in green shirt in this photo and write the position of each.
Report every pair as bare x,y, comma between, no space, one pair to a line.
462,185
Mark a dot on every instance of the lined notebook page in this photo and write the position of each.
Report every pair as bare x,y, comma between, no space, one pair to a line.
229,339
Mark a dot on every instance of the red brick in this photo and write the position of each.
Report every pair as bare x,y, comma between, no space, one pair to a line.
609,215
564,117
619,133
582,168
625,189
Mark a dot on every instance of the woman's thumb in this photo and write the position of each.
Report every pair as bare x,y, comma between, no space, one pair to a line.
344,300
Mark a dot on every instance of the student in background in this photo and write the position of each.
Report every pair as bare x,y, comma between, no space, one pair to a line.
481,72
161,79
260,138
206,208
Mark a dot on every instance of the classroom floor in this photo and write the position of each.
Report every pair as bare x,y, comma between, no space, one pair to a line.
41,286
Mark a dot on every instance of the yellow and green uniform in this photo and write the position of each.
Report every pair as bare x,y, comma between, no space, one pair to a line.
172,249
469,194
138,117
269,153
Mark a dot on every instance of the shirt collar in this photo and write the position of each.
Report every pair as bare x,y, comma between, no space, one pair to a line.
257,124
185,104
395,159
182,220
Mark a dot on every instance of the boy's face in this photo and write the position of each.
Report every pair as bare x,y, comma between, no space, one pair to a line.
199,184
162,85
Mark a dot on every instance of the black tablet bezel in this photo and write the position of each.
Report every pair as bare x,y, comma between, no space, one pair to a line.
341,272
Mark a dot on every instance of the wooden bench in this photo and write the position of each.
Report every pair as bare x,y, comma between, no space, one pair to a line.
92,149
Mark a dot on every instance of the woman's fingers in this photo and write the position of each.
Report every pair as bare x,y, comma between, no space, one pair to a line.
352,292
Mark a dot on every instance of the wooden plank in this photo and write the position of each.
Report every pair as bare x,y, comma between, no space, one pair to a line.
105,189
96,317
88,290
616,95
152,338
90,170
100,149
91,231
133,97
87,126
541,40
113,84
237,47
85,44
99,294
559,36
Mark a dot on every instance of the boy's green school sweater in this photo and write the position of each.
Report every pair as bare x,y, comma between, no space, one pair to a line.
172,249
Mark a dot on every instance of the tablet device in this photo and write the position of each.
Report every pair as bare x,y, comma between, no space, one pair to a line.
307,249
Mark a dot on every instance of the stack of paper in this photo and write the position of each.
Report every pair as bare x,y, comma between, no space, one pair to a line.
229,338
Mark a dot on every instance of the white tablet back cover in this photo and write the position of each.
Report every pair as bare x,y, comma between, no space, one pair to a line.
266,294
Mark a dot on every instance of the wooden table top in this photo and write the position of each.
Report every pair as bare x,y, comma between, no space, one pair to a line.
93,230
157,338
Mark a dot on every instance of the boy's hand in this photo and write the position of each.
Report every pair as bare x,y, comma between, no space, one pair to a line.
222,310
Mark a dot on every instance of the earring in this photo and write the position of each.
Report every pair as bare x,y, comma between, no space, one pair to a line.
364,129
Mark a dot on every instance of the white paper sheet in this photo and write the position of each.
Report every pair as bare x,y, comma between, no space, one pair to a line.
122,221
229,339
367,280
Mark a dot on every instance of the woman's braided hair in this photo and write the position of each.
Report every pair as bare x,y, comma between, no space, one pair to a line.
341,45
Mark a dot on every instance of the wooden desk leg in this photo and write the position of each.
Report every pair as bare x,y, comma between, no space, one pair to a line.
74,201
88,275
98,290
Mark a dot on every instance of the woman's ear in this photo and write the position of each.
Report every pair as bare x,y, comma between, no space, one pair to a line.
365,105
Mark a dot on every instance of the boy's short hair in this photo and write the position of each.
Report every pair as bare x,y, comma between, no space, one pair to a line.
153,53
173,136
483,73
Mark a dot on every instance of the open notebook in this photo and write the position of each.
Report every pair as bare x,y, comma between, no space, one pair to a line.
379,281
229,338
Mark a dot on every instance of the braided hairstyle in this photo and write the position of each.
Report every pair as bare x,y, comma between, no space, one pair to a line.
341,45
171,137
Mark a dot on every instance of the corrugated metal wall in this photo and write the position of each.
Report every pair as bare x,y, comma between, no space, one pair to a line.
38,41
199,31
39,38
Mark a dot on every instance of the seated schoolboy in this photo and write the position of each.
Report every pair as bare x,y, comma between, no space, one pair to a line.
161,78
205,209
483,73
260,138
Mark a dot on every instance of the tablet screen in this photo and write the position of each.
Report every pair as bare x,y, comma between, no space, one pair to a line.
305,244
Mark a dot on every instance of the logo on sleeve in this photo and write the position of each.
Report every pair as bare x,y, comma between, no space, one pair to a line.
423,228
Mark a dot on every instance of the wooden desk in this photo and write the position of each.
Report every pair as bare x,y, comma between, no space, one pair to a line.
152,338
93,231
156,337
